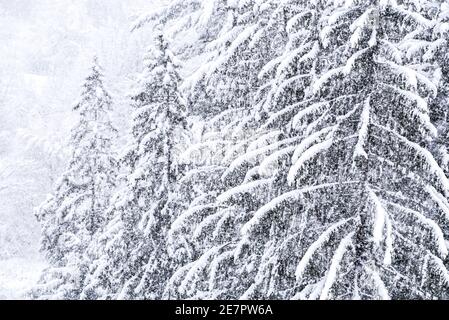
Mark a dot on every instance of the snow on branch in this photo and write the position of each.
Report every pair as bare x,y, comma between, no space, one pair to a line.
264,139
430,160
183,219
359,25
414,16
379,218
320,83
307,142
351,61
307,155
434,227
210,220
282,113
441,200
413,77
198,266
393,50
311,110
322,239
294,195
380,285
167,12
439,268
359,150
269,163
292,22
388,242
241,38
251,156
332,273
248,187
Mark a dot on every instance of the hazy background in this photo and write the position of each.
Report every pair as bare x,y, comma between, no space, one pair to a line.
46,49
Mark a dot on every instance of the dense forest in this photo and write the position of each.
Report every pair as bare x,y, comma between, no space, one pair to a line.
274,149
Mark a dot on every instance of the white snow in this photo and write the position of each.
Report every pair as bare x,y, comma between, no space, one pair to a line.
361,21
252,155
197,267
269,163
413,15
433,165
434,228
313,109
331,275
250,187
182,220
38,83
380,216
18,276
306,156
441,268
326,77
373,39
381,288
294,195
363,131
322,239
388,242
352,59
439,199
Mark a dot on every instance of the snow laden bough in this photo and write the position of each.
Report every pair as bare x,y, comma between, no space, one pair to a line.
362,211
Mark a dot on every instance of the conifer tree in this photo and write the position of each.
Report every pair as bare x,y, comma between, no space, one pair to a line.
363,219
371,213
210,223
76,212
433,39
136,260
426,49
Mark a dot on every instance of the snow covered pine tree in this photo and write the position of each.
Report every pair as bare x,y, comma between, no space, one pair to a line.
137,265
72,217
428,48
379,197
243,46
367,215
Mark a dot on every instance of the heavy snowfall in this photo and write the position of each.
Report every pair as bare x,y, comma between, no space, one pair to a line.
224,149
